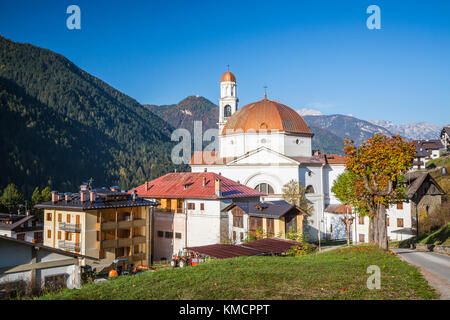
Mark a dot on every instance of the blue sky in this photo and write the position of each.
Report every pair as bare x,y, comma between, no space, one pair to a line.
310,54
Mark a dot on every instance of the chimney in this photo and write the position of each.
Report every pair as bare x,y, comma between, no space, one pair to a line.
67,196
83,196
134,195
54,196
92,195
204,181
218,187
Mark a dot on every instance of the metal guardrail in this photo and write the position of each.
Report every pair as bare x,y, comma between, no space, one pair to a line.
70,227
68,245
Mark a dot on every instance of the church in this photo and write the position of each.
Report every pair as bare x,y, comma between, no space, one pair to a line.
264,145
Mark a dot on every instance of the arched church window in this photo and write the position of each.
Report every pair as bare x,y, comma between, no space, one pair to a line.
265,188
227,111
309,189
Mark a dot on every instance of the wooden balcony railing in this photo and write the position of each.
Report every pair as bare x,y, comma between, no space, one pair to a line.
70,227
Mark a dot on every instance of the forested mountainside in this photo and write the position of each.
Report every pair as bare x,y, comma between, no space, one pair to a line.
61,125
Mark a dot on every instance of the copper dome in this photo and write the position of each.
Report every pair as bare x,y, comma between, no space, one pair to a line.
228,76
267,115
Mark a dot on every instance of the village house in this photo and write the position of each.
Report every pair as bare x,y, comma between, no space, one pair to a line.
256,219
21,227
423,196
335,228
104,224
24,264
445,137
426,150
190,208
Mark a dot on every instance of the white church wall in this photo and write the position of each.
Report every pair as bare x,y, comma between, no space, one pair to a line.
331,172
297,146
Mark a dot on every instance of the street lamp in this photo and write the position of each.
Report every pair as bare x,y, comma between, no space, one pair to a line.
444,169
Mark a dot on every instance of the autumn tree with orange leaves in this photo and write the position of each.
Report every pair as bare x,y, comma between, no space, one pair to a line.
379,165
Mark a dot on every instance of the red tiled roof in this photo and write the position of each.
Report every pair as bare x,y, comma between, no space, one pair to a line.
189,185
335,159
338,208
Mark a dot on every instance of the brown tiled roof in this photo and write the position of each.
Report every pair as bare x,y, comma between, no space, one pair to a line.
415,179
428,144
253,248
335,159
266,115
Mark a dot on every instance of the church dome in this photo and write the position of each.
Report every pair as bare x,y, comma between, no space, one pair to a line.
267,115
228,76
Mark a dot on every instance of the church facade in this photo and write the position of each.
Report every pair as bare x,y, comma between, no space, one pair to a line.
266,144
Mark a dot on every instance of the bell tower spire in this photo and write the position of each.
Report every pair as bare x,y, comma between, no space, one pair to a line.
228,100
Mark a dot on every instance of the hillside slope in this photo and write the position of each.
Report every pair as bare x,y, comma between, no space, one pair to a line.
85,125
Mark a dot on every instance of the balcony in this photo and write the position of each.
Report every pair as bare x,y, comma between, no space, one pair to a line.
121,242
125,224
69,245
70,227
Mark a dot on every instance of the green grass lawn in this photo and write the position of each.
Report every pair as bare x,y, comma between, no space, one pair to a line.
337,274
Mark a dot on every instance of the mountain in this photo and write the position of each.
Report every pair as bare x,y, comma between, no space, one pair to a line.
327,141
196,108
414,130
184,113
346,126
60,125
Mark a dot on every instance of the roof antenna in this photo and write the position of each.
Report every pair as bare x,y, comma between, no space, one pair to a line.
265,92
228,67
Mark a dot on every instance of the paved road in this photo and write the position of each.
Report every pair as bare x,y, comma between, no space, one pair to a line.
434,266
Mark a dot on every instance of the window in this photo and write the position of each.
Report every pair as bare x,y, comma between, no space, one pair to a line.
399,222
202,206
227,111
309,189
265,188
101,254
387,222
59,217
59,235
169,235
234,235
400,206
49,233
21,236
270,227
361,220
361,238
68,218
49,216
160,234
68,236
178,235
238,221
191,206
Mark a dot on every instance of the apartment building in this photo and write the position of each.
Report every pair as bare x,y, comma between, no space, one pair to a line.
104,224
189,211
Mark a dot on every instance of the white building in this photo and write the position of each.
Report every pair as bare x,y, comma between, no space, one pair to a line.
264,145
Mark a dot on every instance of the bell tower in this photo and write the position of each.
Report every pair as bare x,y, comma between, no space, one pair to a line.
228,100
